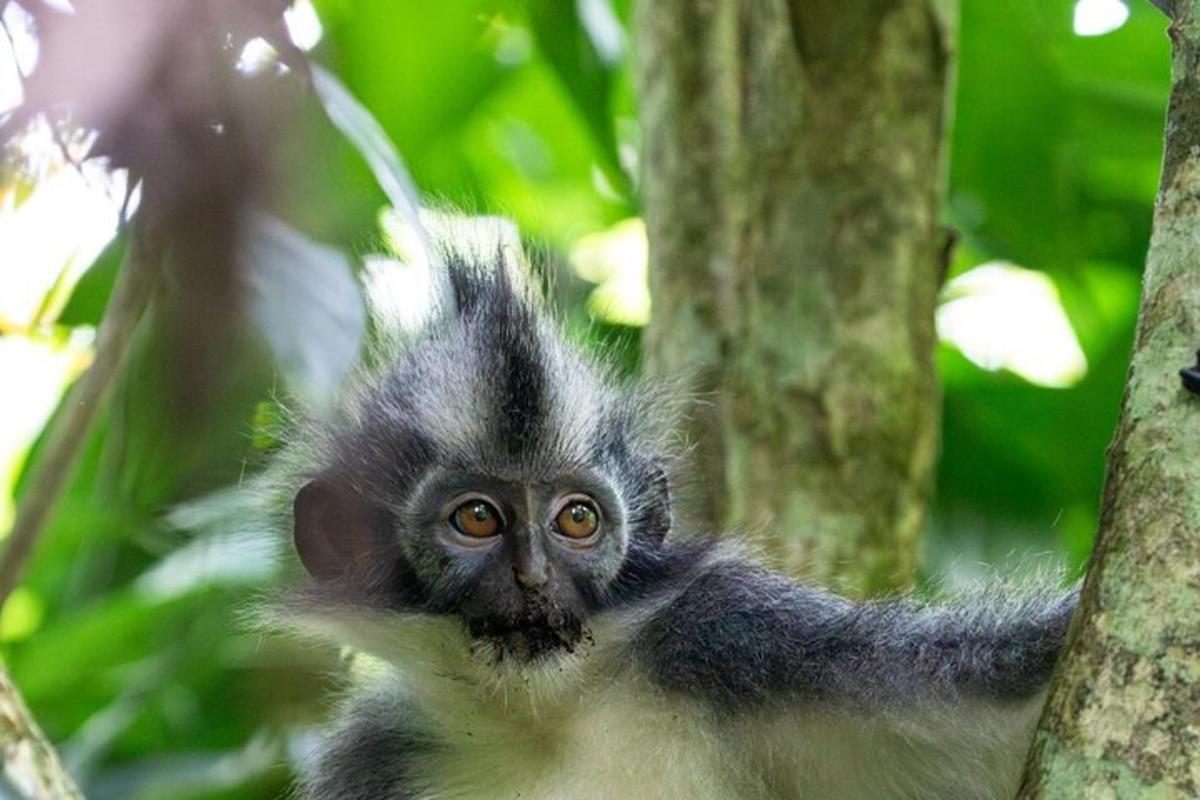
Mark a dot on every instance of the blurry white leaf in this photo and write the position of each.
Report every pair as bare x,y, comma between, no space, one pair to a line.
1001,316
1098,17
187,774
232,559
603,28
616,260
305,301
366,134
303,24
256,56
234,544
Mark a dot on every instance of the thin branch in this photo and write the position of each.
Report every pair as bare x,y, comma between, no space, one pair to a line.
135,284
30,761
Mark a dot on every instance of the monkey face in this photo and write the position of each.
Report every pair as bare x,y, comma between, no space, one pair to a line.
516,558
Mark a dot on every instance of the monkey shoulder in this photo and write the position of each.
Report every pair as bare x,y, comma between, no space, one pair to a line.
738,636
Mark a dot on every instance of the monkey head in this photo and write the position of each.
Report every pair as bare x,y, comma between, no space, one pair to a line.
490,472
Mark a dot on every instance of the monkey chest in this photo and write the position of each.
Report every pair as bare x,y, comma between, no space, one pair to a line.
625,745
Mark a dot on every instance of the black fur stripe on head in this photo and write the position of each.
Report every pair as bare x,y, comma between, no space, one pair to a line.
505,328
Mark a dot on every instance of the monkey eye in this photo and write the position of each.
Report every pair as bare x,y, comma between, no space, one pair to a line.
578,519
477,519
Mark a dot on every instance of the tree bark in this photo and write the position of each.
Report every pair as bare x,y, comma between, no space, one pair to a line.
1123,718
793,169
31,765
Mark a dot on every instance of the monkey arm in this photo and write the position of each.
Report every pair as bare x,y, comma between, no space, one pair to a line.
739,636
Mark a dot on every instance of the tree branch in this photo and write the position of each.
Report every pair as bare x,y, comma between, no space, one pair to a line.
1121,717
30,762
135,284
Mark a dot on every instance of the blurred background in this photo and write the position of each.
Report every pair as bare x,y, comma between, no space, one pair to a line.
127,635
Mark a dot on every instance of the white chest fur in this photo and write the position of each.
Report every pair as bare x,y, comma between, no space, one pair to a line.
591,728
615,743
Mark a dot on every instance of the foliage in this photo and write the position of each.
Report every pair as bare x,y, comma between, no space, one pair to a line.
129,638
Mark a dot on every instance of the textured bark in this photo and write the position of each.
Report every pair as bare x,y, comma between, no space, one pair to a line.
793,171
1123,719
31,766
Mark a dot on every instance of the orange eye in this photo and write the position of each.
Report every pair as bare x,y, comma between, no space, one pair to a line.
478,519
578,519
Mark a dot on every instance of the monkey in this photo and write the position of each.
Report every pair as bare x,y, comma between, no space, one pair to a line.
490,525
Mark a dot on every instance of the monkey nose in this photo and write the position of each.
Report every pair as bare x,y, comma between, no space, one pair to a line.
529,564
530,577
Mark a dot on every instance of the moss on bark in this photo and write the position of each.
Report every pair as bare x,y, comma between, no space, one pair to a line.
793,172
1123,719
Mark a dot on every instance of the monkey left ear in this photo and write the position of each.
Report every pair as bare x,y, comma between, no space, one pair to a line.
335,531
655,518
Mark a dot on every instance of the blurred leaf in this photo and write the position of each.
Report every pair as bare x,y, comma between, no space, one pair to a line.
1041,115
85,649
194,775
304,300
586,74
90,296
422,69
534,154
365,133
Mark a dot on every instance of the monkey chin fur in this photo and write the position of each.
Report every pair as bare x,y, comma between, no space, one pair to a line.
538,634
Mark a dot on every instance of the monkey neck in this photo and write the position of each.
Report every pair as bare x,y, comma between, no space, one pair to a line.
432,662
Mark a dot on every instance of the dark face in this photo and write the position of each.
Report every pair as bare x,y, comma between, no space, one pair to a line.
515,557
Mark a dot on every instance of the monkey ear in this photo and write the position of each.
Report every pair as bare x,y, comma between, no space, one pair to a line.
334,531
655,519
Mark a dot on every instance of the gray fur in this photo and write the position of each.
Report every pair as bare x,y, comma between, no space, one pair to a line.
686,634
370,753
740,636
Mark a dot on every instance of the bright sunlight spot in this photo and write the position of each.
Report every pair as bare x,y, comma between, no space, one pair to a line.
11,93
615,259
602,27
256,55
18,54
399,286
21,616
303,24
1001,316
41,368
1098,17
399,291
51,237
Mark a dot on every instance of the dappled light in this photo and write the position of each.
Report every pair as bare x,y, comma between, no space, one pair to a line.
1098,17
1002,316
616,261
52,229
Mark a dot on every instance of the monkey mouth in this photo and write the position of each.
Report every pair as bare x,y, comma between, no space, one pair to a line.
526,638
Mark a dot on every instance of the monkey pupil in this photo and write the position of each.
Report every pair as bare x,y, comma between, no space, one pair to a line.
481,512
579,513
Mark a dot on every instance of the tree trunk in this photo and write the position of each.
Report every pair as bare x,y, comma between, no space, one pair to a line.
1123,719
793,170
